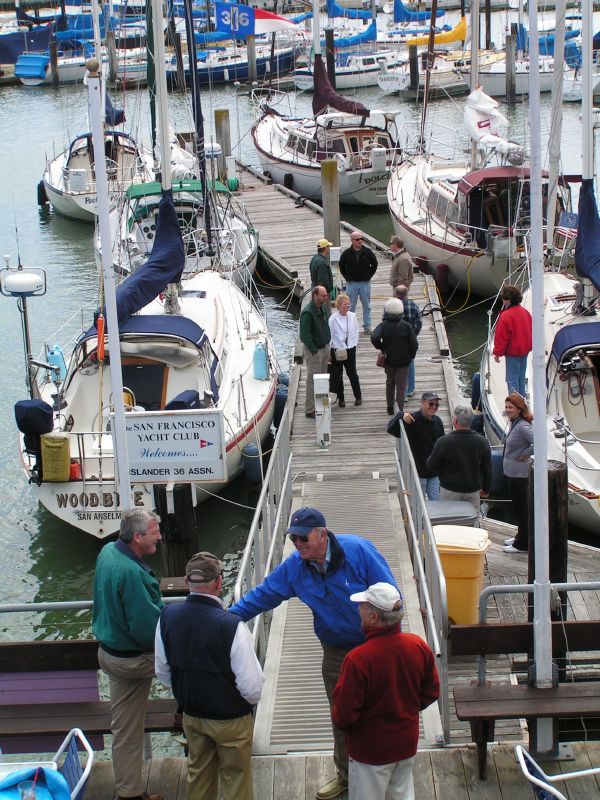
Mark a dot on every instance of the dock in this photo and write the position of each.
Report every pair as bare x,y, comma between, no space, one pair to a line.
354,483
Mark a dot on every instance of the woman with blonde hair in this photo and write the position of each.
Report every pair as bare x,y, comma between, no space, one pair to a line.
344,338
518,449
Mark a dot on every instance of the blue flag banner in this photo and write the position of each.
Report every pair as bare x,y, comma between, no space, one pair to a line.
236,19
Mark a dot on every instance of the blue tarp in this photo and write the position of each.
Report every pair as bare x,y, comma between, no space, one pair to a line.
403,14
575,336
164,265
334,9
301,17
587,249
49,785
213,36
33,40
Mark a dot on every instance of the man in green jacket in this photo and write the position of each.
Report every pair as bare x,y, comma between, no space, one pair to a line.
320,268
127,604
315,336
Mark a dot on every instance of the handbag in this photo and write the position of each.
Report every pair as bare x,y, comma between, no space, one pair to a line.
341,354
380,360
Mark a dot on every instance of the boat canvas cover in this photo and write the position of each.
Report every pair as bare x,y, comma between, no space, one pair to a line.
164,265
334,9
13,44
403,14
489,175
325,95
587,249
156,325
582,335
368,35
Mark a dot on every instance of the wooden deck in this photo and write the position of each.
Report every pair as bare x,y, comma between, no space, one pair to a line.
353,482
439,775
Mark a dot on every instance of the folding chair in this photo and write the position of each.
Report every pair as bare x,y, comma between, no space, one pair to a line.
541,783
68,760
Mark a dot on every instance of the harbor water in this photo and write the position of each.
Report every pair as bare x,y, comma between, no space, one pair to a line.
41,559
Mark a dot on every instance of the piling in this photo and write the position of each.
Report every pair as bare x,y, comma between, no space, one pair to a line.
223,136
251,51
53,47
413,65
111,49
510,68
179,61
331,200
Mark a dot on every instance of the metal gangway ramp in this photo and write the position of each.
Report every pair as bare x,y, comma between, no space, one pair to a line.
293,714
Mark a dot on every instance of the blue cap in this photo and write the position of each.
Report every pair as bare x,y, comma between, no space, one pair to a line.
304,520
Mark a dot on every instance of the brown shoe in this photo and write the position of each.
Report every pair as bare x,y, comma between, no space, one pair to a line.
310,414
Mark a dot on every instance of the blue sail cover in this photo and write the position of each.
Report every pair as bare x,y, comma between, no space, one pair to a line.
164,265
587,249
114,116
571,336
403,14
368,35
334,9
301,17
210,37
16,42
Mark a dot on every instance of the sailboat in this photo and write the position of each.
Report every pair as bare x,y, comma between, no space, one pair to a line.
217,231
196,357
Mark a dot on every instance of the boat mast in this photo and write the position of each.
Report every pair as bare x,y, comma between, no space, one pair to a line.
96,118
542,632
428,68
316,29
556,123
587,101
474,76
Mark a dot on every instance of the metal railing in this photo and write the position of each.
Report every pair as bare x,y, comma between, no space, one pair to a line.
524,588
264,548
430,581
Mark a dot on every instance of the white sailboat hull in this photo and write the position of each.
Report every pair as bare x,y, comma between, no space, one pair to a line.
571,398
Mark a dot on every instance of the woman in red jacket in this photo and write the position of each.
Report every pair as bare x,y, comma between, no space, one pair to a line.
512,338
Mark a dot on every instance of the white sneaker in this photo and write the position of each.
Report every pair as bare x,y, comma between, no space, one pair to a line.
509,541
510,549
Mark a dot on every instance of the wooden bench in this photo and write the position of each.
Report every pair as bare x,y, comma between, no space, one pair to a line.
482,705
47,688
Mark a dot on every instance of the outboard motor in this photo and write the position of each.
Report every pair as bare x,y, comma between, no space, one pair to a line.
34,417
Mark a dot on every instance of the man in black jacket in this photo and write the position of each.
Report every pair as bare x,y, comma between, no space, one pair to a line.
423,429
206,655
463,461
358,265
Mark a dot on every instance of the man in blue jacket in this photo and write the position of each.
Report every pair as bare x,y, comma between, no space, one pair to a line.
323,572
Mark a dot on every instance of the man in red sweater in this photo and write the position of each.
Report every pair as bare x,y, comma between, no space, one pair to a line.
512,338
383,685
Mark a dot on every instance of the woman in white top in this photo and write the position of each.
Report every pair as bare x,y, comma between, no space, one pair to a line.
344,336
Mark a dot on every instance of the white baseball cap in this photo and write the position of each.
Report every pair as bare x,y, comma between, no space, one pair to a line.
381,595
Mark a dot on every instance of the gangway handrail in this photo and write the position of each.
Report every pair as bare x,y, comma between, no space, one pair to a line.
427,566
264,547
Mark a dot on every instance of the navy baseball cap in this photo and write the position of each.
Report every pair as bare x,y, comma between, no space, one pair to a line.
304,520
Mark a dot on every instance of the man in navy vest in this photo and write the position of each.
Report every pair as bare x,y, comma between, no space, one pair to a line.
206,655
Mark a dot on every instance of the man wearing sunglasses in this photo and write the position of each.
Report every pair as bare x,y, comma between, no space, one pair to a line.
358,264
323,572
423,429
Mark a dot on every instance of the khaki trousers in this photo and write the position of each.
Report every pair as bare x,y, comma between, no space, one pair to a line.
330,667
219,746
316,364
130,680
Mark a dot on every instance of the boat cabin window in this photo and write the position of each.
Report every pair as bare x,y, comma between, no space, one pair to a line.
301,146
353,143
368,62
337,146
292,141
441,207
383,141
311,148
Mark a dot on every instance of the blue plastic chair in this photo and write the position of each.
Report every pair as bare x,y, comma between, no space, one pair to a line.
542,784
70,765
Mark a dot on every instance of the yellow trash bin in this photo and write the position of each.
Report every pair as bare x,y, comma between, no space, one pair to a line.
462,553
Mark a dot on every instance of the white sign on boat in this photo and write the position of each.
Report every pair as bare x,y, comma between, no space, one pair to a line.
181,446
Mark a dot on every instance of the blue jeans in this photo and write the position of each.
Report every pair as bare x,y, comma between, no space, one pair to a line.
362,289
430,487
410,381
516,366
